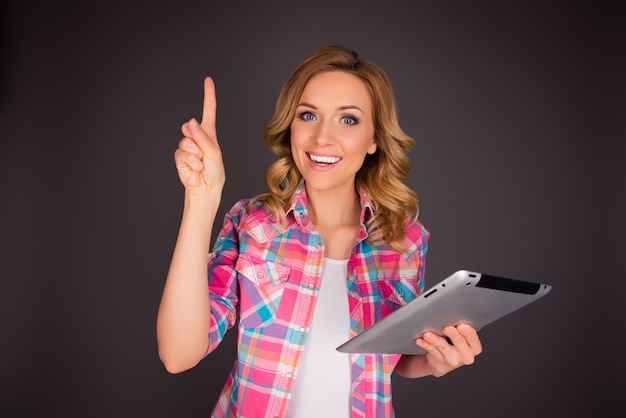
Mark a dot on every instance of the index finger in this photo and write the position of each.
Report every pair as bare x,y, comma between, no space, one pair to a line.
209,107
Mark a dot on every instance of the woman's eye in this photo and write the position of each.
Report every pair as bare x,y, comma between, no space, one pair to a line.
307,116
349,120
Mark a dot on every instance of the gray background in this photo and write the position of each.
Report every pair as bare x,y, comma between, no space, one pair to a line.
518,112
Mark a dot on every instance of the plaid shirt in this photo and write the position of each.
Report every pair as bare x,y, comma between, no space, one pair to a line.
271,275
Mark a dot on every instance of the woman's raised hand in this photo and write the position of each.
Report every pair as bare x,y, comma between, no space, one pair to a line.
198,157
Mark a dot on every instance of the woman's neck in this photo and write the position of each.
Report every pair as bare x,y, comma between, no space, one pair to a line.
334,208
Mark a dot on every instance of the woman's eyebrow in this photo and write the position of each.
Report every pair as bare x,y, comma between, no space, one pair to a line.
346,107
351,107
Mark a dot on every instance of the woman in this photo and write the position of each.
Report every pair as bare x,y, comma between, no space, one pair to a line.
331,248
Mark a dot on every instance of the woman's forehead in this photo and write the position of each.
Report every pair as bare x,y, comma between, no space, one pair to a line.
337,87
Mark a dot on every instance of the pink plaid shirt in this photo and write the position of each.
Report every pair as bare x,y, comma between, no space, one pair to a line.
272,277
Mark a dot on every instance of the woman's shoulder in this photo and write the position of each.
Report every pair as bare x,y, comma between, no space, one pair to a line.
416,236
248,208
414,223
251,216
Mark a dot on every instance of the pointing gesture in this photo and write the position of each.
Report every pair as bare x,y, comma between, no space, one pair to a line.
198,157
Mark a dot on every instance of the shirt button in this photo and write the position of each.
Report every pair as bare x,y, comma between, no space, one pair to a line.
401,294
259,275
302,329
311,286
354,295
289,375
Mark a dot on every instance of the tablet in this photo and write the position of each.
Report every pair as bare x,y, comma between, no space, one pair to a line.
464,297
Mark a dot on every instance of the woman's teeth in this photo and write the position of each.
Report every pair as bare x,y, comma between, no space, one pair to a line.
323,159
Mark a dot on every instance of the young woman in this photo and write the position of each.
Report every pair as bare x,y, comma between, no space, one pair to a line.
332,247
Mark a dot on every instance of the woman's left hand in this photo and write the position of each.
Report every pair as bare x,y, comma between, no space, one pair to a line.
443,356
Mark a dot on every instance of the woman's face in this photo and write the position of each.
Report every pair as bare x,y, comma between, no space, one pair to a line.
332,131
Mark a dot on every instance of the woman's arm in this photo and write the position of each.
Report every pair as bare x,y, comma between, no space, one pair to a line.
183,318
184,313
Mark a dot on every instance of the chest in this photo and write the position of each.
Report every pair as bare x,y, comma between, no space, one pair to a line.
279,279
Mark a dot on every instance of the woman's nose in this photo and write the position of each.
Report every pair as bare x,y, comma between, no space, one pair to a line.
324,135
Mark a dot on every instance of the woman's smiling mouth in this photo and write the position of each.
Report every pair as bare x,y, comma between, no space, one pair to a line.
323,159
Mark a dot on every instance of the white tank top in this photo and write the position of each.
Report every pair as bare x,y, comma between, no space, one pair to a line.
322,384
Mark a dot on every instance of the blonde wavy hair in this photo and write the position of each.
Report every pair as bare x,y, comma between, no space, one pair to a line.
382,173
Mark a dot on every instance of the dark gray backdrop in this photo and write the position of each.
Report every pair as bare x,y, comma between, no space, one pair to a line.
517,109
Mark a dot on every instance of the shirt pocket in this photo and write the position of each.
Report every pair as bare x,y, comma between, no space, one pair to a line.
261,285
398,291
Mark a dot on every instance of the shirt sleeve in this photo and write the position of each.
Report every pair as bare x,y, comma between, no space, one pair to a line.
416,243
223,286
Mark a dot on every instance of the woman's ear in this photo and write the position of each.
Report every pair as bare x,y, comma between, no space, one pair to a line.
372,148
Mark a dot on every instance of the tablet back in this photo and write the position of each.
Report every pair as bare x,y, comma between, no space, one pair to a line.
464,297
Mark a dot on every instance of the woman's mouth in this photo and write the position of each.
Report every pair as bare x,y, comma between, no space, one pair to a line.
323,160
